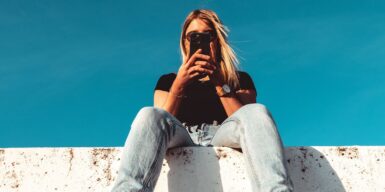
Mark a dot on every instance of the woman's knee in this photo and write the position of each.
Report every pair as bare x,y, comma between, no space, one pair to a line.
148,115
252,108
256,113
149,123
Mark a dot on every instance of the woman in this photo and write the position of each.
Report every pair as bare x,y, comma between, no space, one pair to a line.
208,102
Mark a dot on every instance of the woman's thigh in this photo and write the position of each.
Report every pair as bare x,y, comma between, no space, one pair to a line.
227,134
179,135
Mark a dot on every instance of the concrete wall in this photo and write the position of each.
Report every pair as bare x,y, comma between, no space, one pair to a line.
339,169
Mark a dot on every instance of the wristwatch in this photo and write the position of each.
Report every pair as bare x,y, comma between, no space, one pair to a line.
224,90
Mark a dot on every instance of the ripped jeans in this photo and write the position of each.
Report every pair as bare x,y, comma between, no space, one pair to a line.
251,128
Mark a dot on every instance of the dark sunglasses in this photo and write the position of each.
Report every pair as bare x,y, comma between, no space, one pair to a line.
193,34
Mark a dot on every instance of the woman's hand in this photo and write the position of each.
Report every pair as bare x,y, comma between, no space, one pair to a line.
193,69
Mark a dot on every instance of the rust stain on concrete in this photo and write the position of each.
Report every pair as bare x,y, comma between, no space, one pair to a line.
221,153
187,152
101,153
71,154
2,155
183,153
303,151
349,152
105,155
14,180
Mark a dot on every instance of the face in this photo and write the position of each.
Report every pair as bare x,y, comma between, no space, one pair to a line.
198,25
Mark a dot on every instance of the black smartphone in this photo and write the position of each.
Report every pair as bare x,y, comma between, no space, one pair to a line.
200,40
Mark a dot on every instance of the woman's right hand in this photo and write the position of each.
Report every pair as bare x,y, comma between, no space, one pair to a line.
193,69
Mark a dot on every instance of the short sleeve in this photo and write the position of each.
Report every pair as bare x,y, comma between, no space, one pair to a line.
165,82
245,81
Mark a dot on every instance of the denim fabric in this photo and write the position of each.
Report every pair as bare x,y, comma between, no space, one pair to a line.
251,129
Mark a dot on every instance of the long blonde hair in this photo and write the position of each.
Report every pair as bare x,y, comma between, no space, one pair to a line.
226,55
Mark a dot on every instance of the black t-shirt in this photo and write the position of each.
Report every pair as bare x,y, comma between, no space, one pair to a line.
202,104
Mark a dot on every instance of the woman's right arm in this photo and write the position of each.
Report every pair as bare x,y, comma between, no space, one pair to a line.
191,70
168,101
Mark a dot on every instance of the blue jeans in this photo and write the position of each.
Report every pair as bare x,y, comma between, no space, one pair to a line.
251,128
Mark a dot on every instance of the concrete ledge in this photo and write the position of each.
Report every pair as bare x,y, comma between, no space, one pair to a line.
350,168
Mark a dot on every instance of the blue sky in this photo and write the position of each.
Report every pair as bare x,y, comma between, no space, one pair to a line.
75,73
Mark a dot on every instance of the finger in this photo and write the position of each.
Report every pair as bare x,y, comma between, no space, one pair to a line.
193,69
195,75
191,60
206,64
198,68
202,56
202,63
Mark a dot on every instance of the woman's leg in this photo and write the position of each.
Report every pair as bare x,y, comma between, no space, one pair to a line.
253,129
153,131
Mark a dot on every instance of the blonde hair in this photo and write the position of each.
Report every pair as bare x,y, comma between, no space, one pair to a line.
225,54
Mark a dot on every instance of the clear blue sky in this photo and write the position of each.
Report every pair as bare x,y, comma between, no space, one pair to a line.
75,73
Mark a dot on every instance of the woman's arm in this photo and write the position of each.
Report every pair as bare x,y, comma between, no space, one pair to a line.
247,96
169,101
188,72
235,101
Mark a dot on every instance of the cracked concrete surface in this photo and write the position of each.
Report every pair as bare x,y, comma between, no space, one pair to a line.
83,169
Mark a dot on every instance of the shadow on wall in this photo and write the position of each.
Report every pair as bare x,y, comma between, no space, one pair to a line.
197,173
311,171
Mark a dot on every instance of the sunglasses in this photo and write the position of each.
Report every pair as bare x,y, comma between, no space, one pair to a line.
193,34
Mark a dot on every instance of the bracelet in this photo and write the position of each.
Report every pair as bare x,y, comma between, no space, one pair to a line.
178,96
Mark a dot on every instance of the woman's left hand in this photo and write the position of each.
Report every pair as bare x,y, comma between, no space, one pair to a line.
216,78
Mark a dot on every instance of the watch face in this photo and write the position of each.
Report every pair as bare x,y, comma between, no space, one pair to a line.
226,88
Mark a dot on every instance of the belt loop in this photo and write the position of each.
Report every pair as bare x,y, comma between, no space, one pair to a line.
215,122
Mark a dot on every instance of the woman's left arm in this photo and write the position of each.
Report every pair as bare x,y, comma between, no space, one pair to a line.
236,100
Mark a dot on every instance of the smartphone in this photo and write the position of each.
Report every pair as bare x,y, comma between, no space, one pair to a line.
200,40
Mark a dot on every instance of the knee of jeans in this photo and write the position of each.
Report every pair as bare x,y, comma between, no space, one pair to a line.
151,114
148,115
254,107
255,112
